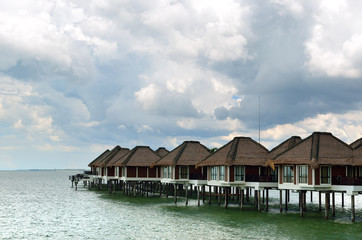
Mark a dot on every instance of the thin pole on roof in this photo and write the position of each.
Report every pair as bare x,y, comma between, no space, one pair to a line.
259,119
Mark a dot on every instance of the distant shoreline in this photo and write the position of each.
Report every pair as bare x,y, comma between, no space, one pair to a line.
43,170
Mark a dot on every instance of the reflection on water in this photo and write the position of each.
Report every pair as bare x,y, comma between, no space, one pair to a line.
39,205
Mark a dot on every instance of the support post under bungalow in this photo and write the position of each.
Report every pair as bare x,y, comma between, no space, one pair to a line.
242,199
198,195
160,189
286,200
218,196
226,190
281,200
301,203
333,205
352,209
203,194
259,201
247,194
311,196
267,200
320,201
175,192
187,197
342,199
326,205
210,192
134,189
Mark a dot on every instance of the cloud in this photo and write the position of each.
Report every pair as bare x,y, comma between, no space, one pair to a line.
78,77
334,48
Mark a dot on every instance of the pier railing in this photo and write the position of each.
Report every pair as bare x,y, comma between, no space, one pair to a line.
339,180
258,178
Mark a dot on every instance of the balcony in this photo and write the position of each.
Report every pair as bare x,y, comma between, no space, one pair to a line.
352,181
257,178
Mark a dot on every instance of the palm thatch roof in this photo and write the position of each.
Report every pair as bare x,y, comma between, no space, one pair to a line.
162,151
189,153
140,156
356,143
105,153
357,156
102,162
284,146
239,151
117,157
319,148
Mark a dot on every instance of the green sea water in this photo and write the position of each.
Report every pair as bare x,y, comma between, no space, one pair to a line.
42,205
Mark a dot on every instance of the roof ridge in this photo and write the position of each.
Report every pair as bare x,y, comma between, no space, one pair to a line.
230,157
178,155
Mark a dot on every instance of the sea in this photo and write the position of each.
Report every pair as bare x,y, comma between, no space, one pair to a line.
43,205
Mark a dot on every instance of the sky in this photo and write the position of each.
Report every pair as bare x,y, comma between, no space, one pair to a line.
79,77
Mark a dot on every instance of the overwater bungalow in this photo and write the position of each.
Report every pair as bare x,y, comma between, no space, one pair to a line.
179,166
112,171
241,164
99,164
94,170
320,162
135,167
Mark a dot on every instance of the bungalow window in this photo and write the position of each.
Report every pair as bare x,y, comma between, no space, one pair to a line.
350,172
239,173
288,174
165,172
325,174
274,175
184,172
303,174
213,173
169,172
222,173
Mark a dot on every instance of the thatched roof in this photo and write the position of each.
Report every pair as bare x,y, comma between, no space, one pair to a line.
357,156
117,157
162,151
102,162
239,151
189,153
105,153
318,148
140,156
356,143
284,146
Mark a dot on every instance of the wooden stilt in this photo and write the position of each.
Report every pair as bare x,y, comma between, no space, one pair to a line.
281,200
311,196
134,189
219,196
267,200
247,194
288,195
226,190
320,201
286,200
301,200
352,209
167,186
255,198
203,194
187,197
242,199
210,192
198,195
259,201
342,199
175,191
326,206
333,205
160,189
263,196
